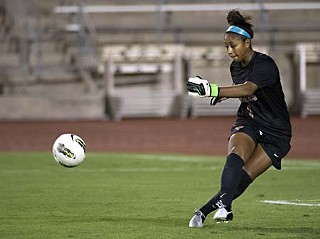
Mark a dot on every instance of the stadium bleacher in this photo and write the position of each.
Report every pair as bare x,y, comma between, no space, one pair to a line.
122,59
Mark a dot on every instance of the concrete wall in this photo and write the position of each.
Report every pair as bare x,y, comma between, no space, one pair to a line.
52,108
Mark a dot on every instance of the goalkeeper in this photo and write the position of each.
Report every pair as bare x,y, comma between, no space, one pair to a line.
261,134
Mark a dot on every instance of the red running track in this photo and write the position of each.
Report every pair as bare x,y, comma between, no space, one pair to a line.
205,136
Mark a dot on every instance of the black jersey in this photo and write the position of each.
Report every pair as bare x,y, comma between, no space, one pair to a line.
267,108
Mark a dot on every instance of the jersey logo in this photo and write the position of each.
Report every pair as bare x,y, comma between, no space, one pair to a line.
248,99
238,128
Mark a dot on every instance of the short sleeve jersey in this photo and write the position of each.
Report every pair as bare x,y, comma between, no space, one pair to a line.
266,108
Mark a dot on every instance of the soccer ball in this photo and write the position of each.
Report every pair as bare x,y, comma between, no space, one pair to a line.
69,150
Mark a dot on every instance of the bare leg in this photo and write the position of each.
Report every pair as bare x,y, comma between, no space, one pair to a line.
258,163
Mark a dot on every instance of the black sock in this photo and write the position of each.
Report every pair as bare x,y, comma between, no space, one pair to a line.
211,205
243,184
231,176
230,179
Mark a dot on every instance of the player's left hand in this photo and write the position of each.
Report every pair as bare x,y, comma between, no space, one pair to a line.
199,87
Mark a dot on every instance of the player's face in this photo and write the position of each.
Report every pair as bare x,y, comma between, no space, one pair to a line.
237,49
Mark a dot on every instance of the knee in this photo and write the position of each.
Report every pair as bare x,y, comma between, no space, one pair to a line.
242,145
251,173
240,152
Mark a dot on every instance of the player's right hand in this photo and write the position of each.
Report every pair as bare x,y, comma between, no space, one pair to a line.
199,87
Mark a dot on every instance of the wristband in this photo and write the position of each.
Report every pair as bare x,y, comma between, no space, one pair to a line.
214,90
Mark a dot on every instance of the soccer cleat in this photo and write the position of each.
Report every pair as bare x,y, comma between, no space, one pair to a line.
197,219
222,215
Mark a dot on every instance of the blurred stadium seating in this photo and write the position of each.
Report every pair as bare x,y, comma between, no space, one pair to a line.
94,59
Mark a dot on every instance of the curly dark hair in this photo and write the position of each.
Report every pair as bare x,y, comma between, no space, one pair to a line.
235,18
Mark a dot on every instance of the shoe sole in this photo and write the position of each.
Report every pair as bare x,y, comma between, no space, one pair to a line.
221,220
196,227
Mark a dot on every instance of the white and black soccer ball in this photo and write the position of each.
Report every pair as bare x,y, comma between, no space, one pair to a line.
69,150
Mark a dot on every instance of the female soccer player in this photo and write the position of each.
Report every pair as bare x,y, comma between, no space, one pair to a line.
261,134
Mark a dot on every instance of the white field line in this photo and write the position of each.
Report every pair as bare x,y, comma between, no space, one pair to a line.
174,158
164,157
144,170
288,165
114,170
300,164
293,203
141,170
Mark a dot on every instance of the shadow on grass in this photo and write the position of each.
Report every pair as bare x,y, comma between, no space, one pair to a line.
253,231
275,230
212,228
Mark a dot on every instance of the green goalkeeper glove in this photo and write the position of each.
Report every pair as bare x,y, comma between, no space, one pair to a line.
198,87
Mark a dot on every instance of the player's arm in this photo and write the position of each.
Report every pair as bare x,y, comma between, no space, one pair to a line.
235,91
199,87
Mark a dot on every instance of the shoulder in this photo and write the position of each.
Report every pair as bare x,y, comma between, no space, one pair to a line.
264,62
264,70
263,58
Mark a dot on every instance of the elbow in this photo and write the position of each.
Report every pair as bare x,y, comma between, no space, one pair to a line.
246,93
248,89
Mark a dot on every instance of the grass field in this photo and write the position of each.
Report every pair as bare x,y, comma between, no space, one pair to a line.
149,196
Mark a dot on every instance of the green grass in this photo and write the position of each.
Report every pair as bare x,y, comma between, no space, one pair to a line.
148,196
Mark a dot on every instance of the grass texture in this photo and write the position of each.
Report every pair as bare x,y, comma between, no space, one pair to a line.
149,196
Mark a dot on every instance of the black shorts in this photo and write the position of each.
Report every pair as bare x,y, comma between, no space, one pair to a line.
275,147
